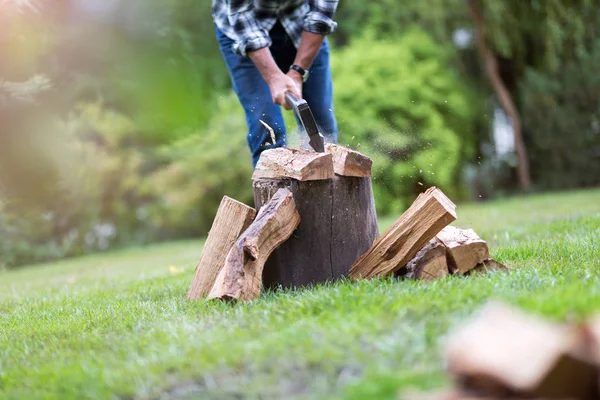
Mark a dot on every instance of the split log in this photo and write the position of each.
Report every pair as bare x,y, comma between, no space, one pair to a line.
347,162
241,276
488,265
428,264
295,164
465,248
430,212
504,353
231,220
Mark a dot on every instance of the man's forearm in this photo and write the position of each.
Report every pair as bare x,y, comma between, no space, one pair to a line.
310,45
264,62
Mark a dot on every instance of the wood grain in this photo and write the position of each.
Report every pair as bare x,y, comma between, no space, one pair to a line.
429,263
430,212
241,276
301,165
465,248
347,162
231,220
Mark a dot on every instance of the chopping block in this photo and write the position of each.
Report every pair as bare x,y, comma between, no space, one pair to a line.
338,221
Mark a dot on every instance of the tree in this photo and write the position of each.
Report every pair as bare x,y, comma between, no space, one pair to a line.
503,94
407,111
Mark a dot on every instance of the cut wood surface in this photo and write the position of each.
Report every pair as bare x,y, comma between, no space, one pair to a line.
338,224
347,162
503,352
488,266
295,164
231,220
241,276
425,218
465,248
428,264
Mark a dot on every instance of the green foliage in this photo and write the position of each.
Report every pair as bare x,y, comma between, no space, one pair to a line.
561,112
541,34
385,18
71,190
103,186
198,170
168,78
397,99
154,157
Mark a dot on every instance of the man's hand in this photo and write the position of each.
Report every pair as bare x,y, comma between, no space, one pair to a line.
282,83
295,75
278,82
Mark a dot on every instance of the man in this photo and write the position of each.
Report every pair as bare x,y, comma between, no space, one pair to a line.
272,47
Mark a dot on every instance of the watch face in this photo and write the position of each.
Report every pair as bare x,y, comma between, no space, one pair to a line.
305,76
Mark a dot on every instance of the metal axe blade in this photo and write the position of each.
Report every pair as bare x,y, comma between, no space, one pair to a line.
302,110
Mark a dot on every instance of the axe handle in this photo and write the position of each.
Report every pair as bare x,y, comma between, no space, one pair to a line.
293,101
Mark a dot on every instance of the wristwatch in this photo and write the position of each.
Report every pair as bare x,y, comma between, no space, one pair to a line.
303,72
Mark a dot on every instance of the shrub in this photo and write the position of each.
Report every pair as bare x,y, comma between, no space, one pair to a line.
198,170
406,109
69,188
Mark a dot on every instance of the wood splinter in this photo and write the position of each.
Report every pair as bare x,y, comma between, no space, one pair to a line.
241,277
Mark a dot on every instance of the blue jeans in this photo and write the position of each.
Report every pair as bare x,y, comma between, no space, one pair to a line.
255,96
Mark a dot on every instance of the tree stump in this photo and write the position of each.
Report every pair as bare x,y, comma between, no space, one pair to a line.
338,223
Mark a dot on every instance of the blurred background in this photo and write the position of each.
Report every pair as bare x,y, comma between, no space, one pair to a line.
118,125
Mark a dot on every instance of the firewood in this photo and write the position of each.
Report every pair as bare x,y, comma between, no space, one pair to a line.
428,264
231,220
241,277
347,162
295,164
430,212
465,248
488,265
504,353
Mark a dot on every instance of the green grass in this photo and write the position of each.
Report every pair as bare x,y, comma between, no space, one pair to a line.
117,325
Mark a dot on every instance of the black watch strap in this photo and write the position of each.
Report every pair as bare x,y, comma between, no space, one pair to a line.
303,73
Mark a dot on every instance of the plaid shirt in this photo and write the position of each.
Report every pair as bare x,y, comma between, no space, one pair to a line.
248,22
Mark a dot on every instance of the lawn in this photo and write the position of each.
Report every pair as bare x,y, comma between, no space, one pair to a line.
117,325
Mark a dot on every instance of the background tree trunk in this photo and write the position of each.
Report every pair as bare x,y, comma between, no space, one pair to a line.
491,68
